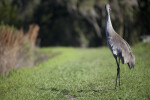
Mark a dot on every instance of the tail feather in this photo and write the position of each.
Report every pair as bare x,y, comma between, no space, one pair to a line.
131,61
131,65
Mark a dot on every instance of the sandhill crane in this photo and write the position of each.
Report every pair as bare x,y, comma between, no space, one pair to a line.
118,46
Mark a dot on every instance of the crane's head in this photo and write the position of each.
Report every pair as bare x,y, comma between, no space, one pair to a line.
107,7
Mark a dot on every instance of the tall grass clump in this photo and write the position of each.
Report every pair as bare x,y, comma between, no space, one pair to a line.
15,50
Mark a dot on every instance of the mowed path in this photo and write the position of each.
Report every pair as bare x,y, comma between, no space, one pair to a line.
80,74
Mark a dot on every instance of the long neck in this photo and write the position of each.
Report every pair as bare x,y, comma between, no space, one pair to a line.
109,27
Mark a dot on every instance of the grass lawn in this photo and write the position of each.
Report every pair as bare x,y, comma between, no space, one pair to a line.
82,74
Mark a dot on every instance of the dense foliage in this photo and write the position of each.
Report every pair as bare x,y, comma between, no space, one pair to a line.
77,22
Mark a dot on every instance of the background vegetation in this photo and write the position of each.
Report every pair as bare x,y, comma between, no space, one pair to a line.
15,50
77,22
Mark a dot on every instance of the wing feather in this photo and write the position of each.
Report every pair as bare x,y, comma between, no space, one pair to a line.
120,48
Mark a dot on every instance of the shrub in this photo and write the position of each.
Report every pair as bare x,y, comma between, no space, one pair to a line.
15,50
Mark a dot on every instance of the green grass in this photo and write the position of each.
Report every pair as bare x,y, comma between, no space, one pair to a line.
80,74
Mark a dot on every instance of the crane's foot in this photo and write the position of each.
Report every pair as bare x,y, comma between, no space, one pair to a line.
116,83
119,79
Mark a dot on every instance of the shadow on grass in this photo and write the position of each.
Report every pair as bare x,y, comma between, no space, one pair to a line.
68,94
97,91
64,92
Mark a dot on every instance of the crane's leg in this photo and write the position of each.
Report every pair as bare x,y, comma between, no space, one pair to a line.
118,71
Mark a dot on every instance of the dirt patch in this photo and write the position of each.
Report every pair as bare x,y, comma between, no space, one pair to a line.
41,57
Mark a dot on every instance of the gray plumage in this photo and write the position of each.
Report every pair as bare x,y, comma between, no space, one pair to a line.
118,46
